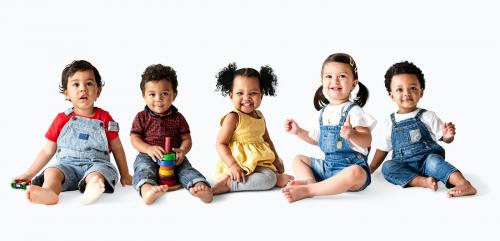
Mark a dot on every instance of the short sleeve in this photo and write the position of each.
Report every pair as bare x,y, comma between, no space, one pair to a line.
360,118
55,128
111,126
434,123
383,139
183,125
137,125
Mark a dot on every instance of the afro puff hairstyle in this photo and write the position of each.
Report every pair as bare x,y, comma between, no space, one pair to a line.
267,79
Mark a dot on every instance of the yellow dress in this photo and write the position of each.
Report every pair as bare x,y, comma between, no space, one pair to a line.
248,146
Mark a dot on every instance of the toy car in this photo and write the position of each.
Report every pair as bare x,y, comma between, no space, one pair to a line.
20,184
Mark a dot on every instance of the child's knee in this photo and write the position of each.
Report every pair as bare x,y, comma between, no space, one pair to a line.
52,172
95,176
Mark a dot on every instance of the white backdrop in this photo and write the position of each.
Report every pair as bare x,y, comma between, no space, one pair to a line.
455,43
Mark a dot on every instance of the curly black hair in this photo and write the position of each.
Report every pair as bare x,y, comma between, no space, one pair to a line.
75,66
158,72
404,67
268,81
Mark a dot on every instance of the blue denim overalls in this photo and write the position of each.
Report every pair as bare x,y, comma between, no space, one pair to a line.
82,148
338,153
414,153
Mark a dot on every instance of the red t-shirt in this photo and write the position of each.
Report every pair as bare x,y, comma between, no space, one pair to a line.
61,120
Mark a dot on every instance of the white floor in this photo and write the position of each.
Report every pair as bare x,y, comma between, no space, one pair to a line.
383,211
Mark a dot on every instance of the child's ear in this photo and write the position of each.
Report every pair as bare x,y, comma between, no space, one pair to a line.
422,93
99,92
175,96
65,93
230,95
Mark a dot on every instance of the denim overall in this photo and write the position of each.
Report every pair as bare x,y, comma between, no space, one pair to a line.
338,153
415,153
82,148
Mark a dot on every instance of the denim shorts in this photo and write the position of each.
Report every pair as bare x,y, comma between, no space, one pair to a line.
76,170
401,173
323,170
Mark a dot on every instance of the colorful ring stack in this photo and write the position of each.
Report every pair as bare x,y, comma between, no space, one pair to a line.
167,165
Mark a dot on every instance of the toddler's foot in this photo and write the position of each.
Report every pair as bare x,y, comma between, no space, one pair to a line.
93,190
427,182
222,186
299,182
202,191
37,194
150,193
464,189
283,179
295,193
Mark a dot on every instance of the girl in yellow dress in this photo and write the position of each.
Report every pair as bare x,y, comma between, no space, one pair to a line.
248,159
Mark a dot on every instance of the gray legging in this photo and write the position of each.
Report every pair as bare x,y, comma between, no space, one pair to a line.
261,179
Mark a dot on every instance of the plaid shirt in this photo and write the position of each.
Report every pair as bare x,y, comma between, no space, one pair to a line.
153,128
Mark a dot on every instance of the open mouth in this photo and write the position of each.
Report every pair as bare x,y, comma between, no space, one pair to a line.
84,97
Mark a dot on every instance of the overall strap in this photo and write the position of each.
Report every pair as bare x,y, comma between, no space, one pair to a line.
393,119
321,116
68,111
419,114
345,112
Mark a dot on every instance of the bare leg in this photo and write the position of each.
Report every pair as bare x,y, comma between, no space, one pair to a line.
152,192
222,186
462,186
49,193
94,188
427,182
202,191
351,178
283,179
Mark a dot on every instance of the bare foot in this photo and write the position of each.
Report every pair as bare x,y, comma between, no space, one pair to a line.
295,193
464,189
93,190
202,191
37,194
299,182
427,182
283,179
222,186
150,193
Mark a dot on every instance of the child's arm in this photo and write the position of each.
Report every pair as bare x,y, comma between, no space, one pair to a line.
222,145
276,162
359,135
293,128
185,147
43,157
121,161
378,158
155,152
448,132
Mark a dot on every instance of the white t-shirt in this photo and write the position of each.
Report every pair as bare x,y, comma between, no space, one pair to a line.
331,116
429,118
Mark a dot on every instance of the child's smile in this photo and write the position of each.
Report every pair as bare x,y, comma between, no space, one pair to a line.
406,92
246,95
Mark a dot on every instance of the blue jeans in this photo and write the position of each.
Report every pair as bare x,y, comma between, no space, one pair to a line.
324,169
146,171
401,173
75,171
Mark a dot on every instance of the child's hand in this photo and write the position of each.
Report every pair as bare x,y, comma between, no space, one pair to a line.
237,173
448,132
291,126
277,163
346,130
23,176
179,155
155,152
126,180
